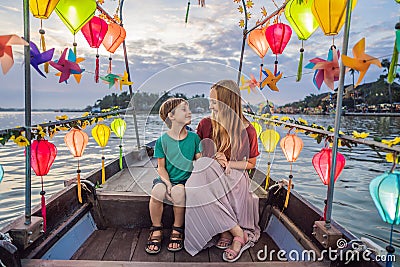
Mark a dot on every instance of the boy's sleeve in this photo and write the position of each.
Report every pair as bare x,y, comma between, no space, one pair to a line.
199,148
158,150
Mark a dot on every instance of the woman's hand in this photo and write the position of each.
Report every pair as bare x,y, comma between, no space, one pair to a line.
221,158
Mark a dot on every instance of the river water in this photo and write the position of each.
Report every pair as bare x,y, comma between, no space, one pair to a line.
353,207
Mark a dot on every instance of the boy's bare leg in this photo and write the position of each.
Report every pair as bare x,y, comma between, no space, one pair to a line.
178,197
156,208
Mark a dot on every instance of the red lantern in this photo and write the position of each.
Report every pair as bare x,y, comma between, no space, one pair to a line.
113,39
76,140
322,163
43,154
278,36
95,31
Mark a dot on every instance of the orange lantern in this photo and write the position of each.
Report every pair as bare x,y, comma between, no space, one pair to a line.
291,146
76,141
113,39
257,41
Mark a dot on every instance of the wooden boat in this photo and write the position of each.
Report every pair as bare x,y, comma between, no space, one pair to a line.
111,227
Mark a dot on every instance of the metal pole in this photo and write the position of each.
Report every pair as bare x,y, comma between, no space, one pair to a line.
243,42
129,79
338,116
27,55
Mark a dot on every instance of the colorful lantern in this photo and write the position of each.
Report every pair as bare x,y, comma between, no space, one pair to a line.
76,141
258,42
42,9
395,56
118,126
385,192
1,173
269,138
330,14
291,146
95,31
101,134
257,127
302,20
278,36
75,14
322,164
115,36
43,154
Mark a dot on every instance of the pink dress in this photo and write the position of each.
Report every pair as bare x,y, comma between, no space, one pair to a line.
216,202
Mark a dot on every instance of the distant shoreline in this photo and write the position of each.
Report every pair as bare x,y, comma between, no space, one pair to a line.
41,110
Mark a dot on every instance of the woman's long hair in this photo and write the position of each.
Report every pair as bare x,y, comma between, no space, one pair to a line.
228,122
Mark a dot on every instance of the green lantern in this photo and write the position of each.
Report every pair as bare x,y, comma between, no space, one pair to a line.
75,14
303,22
118,126
385,192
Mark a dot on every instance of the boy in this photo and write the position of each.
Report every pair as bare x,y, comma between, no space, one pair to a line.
175,151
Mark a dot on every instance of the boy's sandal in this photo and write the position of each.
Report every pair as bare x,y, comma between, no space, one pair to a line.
225,240
235,255
154,240
176,238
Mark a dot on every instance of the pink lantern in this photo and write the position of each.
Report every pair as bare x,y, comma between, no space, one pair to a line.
95,31
43,154
322,163
278,36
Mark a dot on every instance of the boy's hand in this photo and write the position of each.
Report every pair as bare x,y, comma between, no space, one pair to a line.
221,158
228,169
169,187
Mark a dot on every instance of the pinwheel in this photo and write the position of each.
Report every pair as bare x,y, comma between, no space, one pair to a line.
65,66
250,85
111,79
38,58
271,80
77,74
6,54
124,80
361,61
325,70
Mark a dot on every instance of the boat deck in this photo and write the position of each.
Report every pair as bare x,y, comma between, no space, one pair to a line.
129,245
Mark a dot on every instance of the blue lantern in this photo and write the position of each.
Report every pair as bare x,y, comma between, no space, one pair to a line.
385,191
1,173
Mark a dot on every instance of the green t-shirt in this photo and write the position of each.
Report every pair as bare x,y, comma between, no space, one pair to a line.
178,154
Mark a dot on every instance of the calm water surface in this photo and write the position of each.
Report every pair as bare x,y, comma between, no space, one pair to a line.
353,207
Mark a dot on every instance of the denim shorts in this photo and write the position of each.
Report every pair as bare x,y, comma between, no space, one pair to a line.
159,181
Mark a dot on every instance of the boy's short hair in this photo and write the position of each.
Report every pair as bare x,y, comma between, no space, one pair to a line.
169,106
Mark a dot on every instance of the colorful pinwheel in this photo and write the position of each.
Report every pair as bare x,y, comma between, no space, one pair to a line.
6,54
361,61
38,58
325,70
111,79
250,85
271,80
65,66
77,74
124,80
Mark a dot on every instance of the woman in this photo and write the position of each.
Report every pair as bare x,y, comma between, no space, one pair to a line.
218,197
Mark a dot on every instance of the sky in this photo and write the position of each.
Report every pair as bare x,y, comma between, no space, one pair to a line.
166,54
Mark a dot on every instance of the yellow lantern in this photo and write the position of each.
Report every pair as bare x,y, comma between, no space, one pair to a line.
257,127
269,139
291,146
118,126
330,14
101,133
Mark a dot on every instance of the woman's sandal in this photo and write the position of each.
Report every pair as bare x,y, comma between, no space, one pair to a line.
235,255
176,238
154,240
227,241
